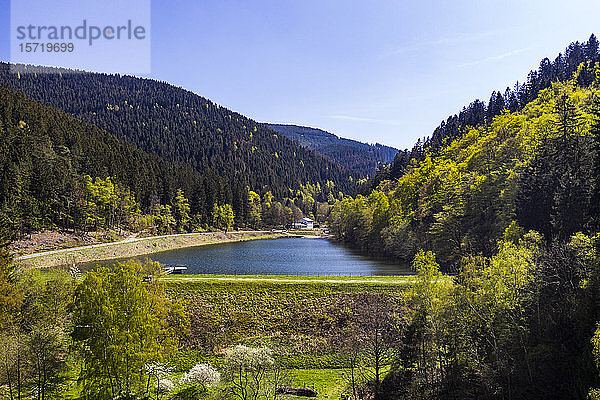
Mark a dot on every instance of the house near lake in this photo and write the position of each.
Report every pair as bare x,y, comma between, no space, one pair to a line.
304,223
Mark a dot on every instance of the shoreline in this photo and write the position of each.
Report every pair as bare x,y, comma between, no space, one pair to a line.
138,247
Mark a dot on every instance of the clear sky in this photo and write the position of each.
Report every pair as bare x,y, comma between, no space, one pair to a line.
378,71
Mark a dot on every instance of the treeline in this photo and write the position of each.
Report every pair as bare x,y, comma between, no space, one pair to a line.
60,172
511,208
181,127
478,113
521,324
538,167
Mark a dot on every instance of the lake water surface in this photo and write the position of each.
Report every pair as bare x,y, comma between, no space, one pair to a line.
295,256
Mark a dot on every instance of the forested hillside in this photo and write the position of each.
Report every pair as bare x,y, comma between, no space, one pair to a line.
536,168
513,99
60,172
363,158
182,127
511,208
46,154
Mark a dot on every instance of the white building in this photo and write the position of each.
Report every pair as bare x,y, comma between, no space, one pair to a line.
304,223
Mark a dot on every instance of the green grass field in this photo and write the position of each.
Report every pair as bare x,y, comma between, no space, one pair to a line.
303,319
329,383
388,279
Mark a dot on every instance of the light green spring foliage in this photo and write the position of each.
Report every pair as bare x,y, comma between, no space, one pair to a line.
181,211
254,209
10,298
429,294
33,337
510,271
223,216
458,317
362,219
429,284
461,200
513,233
101,201
127,324
108,204
492,290
585,245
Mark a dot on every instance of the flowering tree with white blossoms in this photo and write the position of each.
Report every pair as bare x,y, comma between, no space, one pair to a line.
252,373
202,375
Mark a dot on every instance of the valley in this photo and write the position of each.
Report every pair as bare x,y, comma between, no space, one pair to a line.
465,268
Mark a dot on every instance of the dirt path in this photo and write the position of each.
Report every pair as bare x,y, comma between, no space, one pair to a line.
130,239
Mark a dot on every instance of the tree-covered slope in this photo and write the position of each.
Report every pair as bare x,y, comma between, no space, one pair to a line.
479,112
45,154
182,127
531,169
363,158
512,209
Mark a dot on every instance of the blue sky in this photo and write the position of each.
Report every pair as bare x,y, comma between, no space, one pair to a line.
377,71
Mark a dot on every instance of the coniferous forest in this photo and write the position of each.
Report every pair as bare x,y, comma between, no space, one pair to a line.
181,127
363,158
138,163
497,213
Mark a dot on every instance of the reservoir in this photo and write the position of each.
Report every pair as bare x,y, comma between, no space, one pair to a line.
295,256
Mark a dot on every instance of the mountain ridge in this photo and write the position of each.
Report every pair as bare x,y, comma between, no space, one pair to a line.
182,127
360,157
